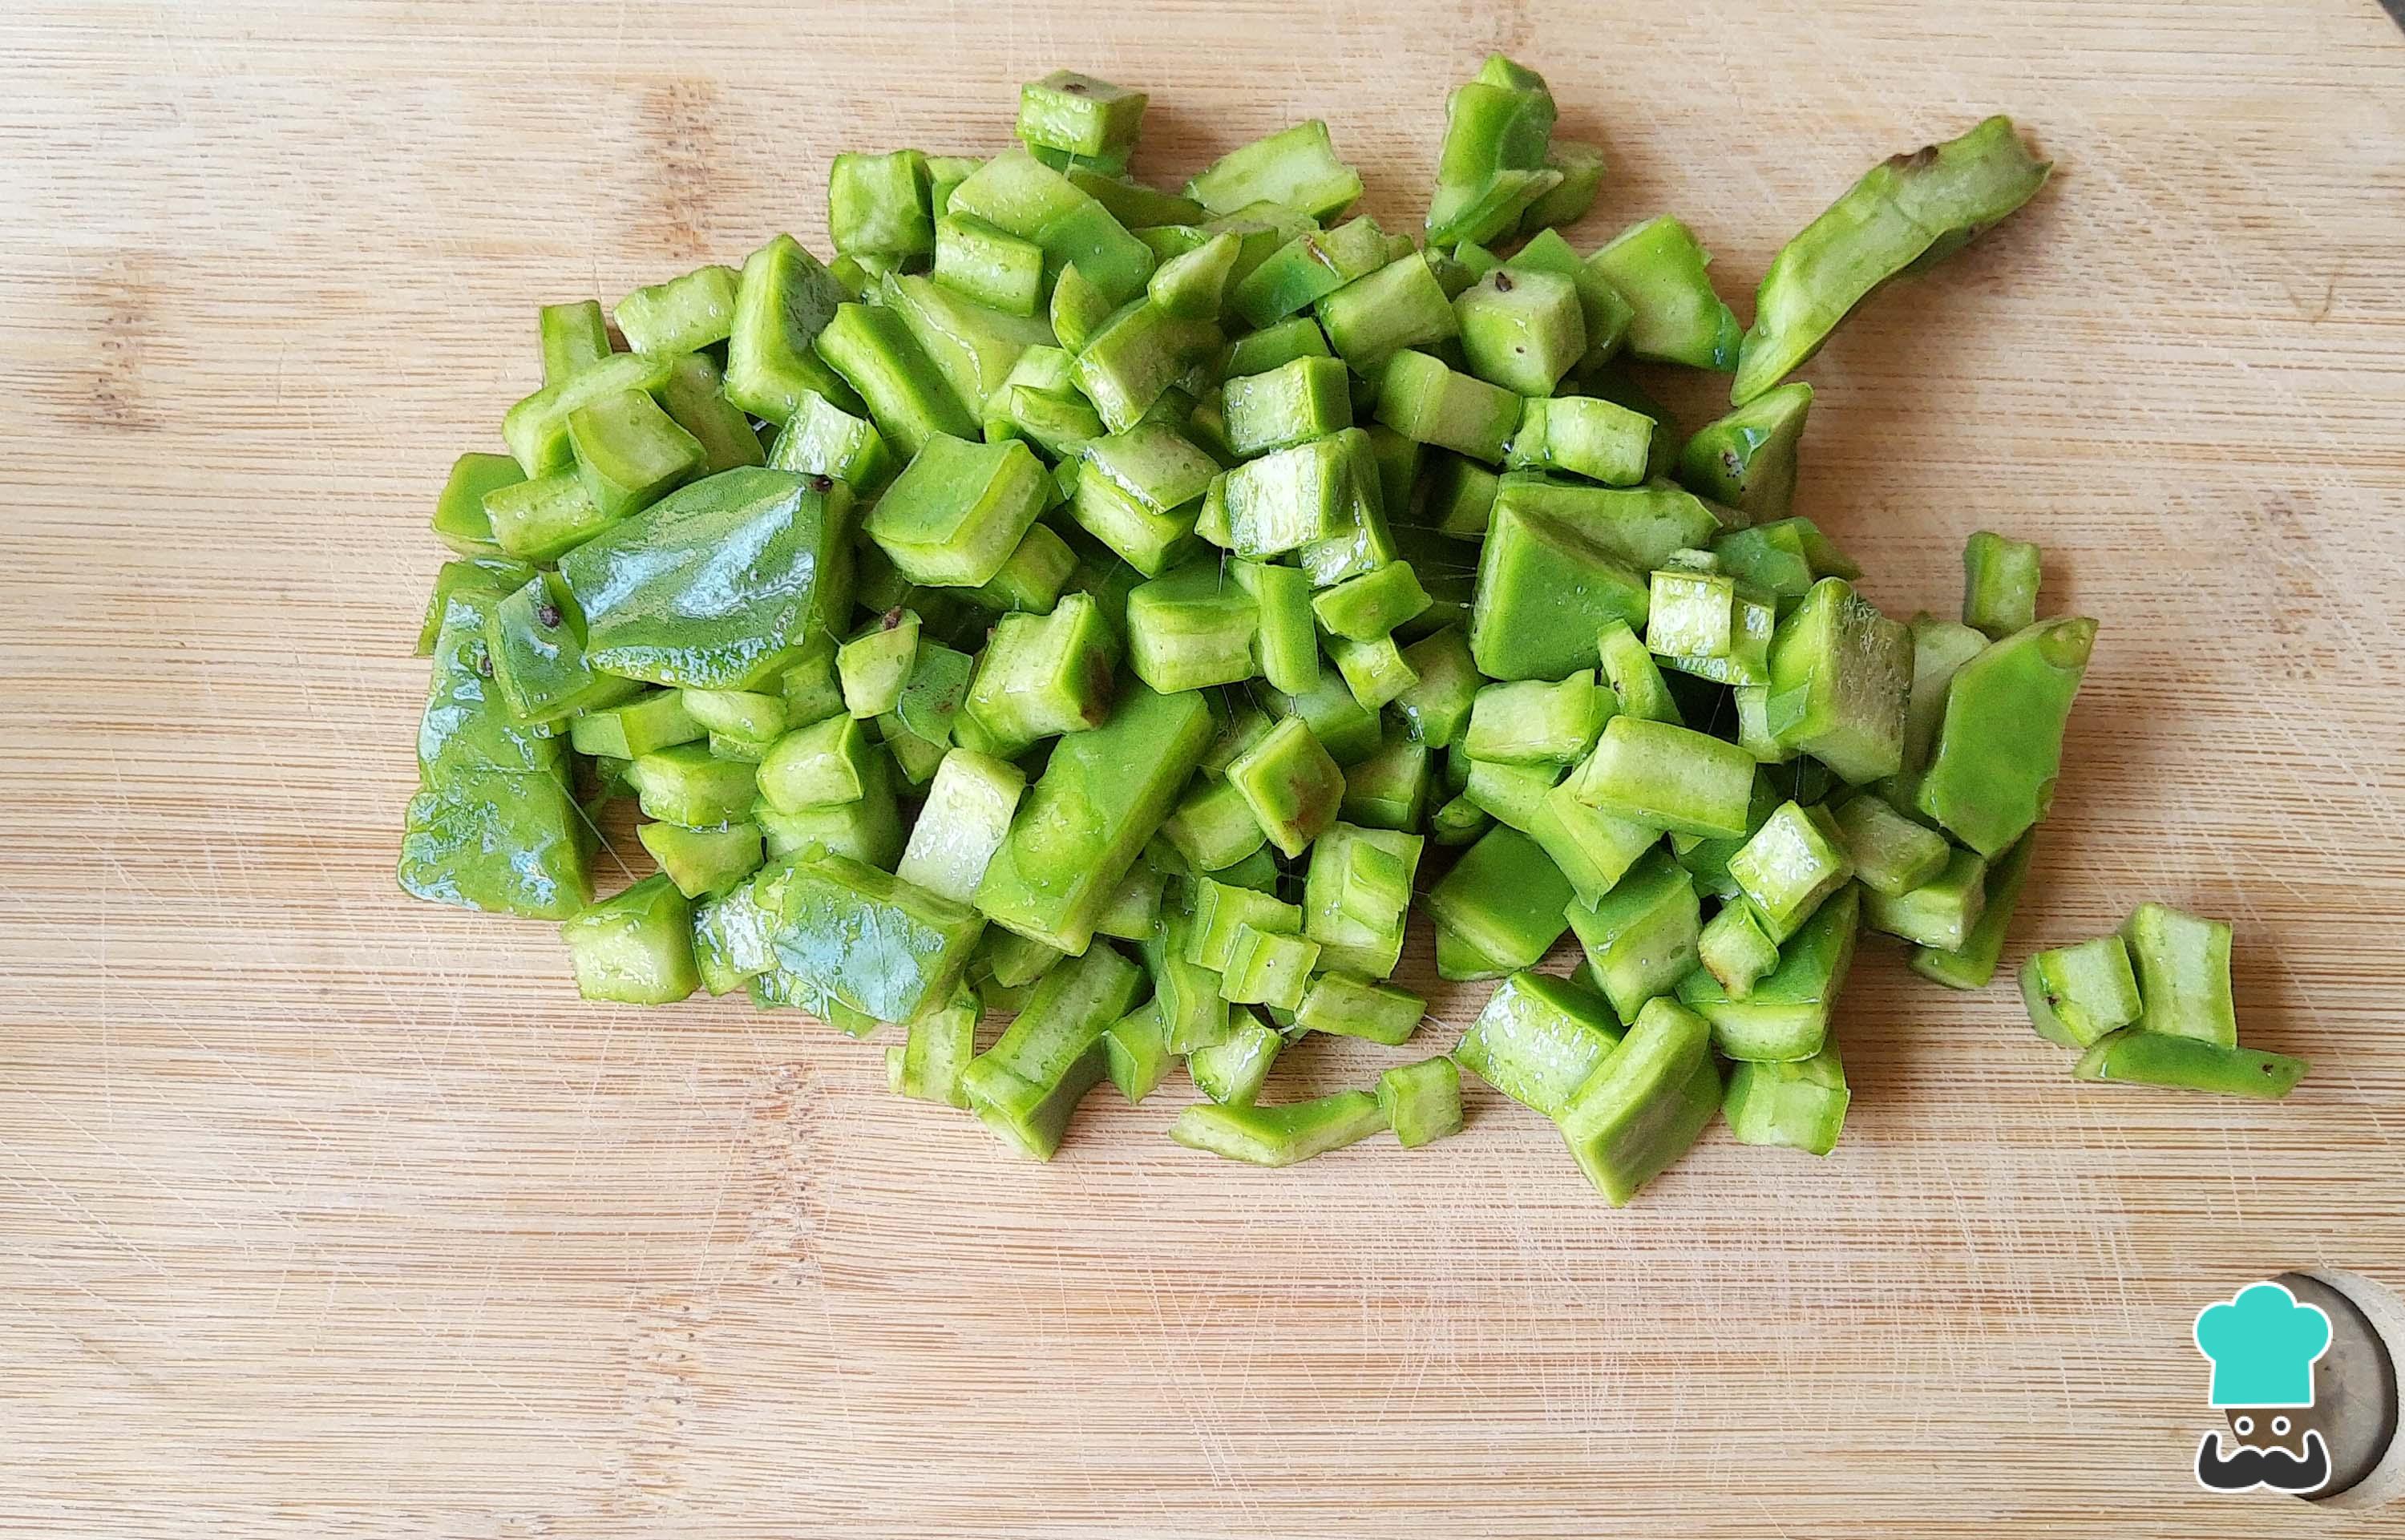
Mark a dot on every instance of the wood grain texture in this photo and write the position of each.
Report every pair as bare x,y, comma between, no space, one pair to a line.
326,1213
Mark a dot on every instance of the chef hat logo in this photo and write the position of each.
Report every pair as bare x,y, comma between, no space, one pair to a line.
2263,1344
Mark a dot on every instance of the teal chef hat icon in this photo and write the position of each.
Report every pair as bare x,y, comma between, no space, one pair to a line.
2262,1344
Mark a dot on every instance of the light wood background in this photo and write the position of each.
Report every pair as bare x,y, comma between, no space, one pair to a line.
325,1213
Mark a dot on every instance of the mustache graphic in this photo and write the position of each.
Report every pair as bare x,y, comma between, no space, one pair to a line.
2250,1467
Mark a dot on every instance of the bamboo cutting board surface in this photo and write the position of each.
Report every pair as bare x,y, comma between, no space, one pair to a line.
323,1212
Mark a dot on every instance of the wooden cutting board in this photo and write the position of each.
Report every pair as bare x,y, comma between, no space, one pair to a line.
323,1212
